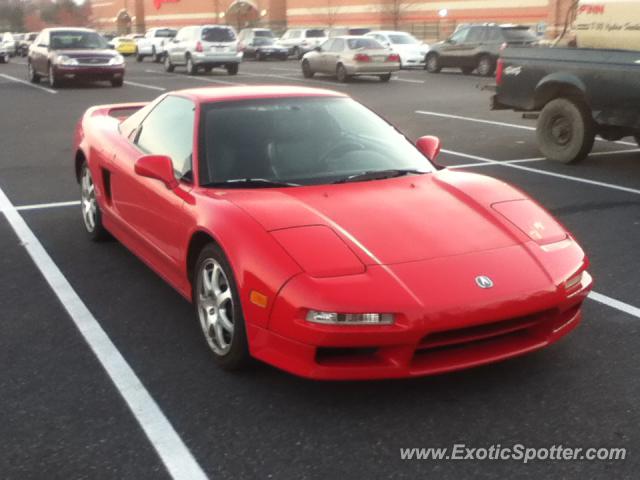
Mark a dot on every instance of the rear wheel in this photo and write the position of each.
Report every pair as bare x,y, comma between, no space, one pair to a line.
341,74
565,130
91,215
486,66
191,67
306,69
218,309
385,78
168,66
33,76
297,53
432,63
232,68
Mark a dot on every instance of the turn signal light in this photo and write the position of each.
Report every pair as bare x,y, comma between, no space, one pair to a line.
362,57
258,299
199,47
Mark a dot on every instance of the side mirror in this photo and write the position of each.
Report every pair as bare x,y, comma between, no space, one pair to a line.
158,167
318,49
429,146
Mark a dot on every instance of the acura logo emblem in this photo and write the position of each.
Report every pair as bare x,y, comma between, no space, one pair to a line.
484,282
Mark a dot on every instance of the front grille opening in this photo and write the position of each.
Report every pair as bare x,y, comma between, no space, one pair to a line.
450,348
331,355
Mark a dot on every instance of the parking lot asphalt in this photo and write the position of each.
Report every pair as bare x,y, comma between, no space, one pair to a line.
63,417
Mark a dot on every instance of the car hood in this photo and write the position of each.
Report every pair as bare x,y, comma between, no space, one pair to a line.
395,220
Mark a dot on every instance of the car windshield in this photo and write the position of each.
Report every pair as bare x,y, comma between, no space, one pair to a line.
302,141
368,43
518,35
166,33
217,34
315,34
263,41
402,39
263,33
70,39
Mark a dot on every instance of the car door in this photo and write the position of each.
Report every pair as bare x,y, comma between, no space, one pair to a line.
40,54
331,56
151,212
317,59
451,48
469,49
179,46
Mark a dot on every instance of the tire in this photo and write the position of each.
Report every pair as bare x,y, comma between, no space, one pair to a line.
168,66
637,139
232,68
208,69
297,53
432,63
259,57
54,81
139,58
219,315
467,70
385,78
31,72
341,74
91,214
565,130
192,69
117,82
486,66
306,69
153,55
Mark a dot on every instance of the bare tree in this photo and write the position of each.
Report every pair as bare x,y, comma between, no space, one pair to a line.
395,10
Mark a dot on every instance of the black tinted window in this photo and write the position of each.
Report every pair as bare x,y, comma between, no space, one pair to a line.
73,39
518,35
168,130
166,33
315,34
216,34
475,35
263,33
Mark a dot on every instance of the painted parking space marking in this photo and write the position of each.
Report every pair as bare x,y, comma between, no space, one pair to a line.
173,453
40,206
144,85
25,82
407,80
503,124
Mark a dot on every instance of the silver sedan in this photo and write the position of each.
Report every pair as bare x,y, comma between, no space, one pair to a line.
349,56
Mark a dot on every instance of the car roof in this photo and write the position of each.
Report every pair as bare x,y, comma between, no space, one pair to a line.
225,94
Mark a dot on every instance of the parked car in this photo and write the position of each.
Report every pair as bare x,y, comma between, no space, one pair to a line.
576,94
4,53
476,47
154,43
25,43
346,57
9,43
248,35
412,51
204,47
264,48
312,235
17,39
71,54
124,45
342,31
302,40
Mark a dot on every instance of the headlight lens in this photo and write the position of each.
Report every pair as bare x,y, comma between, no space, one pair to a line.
64,60
334,318
117,60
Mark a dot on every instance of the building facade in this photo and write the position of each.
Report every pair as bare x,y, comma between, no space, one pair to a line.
428,19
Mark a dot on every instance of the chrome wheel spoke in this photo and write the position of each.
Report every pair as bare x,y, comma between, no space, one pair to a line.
224,321
223,297
215,306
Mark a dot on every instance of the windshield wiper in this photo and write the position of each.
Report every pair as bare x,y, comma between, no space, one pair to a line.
379,175
250,182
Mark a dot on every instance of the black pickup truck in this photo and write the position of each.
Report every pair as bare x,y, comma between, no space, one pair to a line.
576,93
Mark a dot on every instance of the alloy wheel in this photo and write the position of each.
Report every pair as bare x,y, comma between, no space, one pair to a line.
88,200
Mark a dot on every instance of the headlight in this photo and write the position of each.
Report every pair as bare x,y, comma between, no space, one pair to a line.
117,60
333,318
64,60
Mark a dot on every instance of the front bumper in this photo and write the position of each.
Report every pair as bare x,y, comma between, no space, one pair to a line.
103,72
446,333
212,58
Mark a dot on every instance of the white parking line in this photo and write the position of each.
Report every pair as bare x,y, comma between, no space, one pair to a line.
170,448
503,124
296,79
408,80
39,206
144,85
616,304
544,172
281,69
19,80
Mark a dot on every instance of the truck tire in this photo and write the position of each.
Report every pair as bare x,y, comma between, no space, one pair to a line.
565,131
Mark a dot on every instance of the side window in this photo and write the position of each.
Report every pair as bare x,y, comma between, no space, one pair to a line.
338,45
494,35
296,34
475,35
460,36
168,130
328,45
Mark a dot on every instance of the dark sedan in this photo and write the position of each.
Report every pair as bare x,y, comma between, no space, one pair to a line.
73,54
263,48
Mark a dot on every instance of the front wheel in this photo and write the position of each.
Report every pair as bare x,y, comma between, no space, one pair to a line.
54,81
232,68
31,72
565,130
218,309
168,66
306,69
91,215
432,63
385,78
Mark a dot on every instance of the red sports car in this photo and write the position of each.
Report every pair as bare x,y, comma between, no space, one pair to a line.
311,234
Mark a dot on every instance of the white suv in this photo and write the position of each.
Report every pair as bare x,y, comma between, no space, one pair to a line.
204,47
302,40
